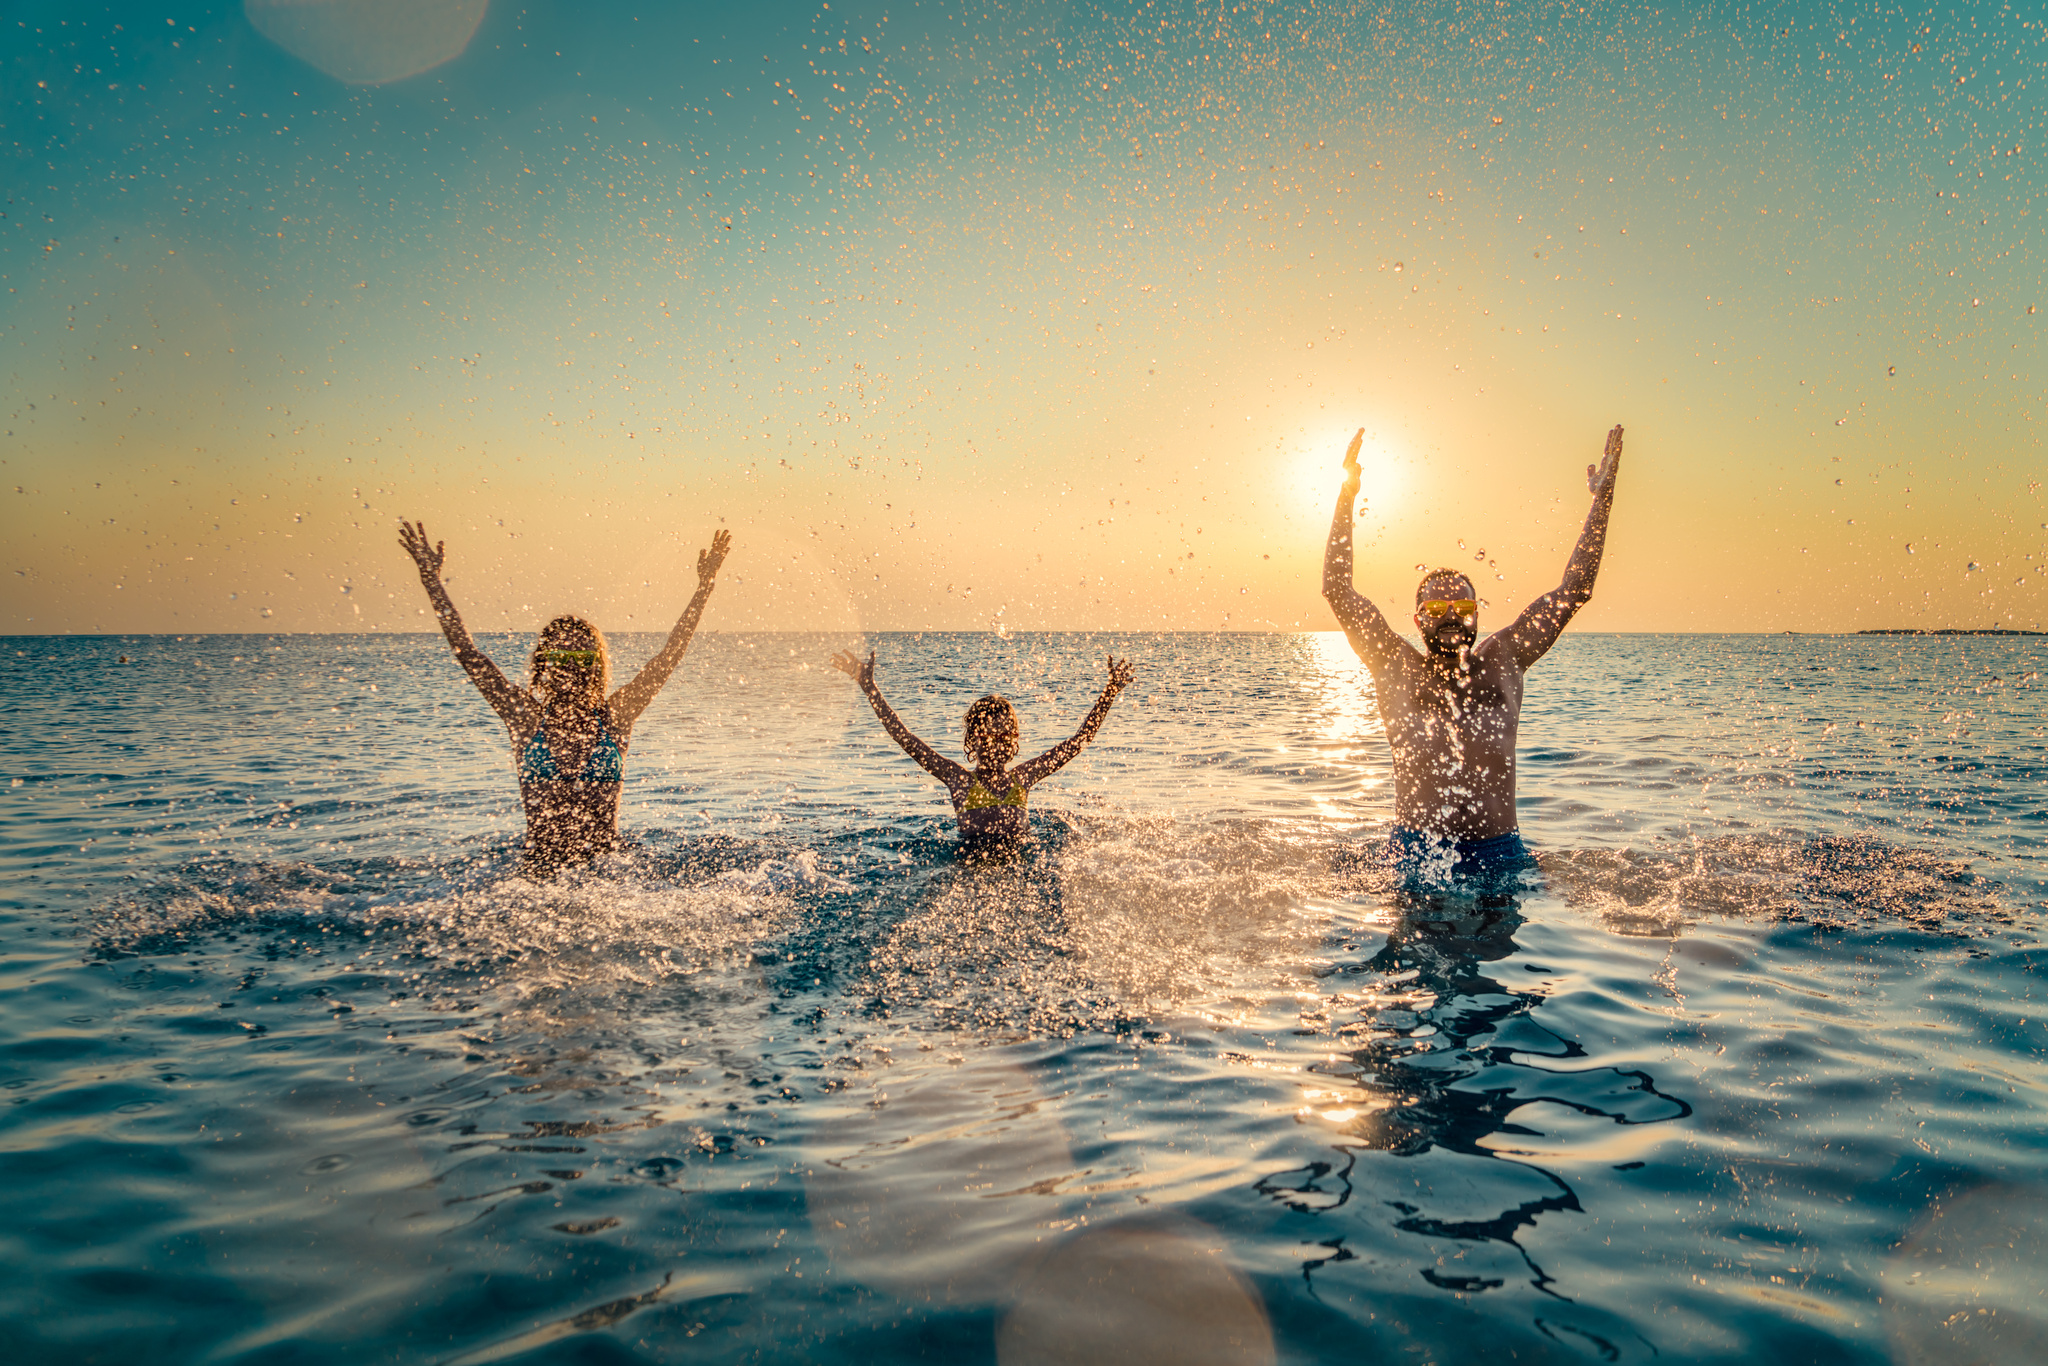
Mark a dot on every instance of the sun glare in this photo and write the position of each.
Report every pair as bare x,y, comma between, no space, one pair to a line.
1315,468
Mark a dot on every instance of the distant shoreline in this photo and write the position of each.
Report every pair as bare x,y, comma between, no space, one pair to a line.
1949,631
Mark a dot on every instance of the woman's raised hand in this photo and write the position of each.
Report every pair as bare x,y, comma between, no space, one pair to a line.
861,671
708,561
426,554
1120,673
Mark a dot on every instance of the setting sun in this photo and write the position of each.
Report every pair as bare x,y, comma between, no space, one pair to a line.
1311,466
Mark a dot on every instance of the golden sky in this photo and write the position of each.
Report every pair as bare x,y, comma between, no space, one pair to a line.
1019,315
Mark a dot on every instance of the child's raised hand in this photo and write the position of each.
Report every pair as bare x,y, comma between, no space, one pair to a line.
861,671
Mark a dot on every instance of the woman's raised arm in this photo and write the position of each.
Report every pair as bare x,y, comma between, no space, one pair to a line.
511,703
628,702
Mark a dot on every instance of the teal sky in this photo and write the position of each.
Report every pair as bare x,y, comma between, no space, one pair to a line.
1042,316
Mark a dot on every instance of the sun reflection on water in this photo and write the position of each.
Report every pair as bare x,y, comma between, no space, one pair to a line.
1349,736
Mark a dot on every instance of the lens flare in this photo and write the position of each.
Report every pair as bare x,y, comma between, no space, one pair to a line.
369,42
1140,1291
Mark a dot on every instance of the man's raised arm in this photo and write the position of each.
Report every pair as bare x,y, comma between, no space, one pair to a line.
1544,620
1370,635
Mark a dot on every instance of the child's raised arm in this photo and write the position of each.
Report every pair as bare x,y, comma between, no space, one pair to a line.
1050,762
862,671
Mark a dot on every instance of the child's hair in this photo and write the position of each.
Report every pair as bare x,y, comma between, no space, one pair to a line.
992,721
551,636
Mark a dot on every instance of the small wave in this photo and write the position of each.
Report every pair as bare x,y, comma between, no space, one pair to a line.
639,916
799,872
1839,881
215,896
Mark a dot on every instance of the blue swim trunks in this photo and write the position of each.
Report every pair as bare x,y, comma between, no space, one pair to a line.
1432,858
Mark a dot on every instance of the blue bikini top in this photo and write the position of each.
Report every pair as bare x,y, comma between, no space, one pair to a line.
606,763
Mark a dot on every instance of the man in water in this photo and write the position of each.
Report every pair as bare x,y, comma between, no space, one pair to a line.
1451,708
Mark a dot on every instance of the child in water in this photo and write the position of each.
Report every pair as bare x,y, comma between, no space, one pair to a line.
988,798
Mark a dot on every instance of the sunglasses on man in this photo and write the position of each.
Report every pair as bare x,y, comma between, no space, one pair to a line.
1441,607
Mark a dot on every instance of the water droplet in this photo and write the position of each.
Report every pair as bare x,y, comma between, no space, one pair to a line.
1398,267
1461,543
1972,569
1838,483
1420,567
1891,369
1975,302
1909,547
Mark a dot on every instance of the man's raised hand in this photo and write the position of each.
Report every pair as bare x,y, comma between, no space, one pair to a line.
1352,471
1600,478
1120,673
428,555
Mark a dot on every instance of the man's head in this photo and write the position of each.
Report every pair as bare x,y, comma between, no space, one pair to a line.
992,732
1446,629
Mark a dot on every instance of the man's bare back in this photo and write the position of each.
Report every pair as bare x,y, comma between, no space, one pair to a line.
1451,708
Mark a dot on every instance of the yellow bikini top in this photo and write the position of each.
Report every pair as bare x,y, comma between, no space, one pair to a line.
979,797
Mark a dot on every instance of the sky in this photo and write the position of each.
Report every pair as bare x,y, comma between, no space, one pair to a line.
1029,316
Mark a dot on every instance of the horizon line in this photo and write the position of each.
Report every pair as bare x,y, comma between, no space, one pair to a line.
937,631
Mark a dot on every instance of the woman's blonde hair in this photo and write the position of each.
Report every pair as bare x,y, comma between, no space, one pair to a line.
572,627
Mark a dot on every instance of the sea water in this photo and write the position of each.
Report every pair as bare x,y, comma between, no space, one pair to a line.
296,1066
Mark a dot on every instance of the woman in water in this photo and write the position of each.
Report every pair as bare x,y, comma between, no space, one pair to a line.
988,798
569,729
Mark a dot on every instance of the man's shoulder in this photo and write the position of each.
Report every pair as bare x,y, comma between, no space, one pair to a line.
1496,653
